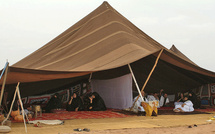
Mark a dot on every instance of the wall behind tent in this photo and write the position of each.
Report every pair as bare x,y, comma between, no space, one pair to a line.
116,92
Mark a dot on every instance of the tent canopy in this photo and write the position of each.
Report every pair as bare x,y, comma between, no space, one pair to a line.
104,42
181,55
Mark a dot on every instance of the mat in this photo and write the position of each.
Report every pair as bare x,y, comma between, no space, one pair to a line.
65,115
169,111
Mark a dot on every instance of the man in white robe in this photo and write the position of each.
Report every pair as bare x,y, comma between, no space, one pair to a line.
138,106
164,100
187,106
154,98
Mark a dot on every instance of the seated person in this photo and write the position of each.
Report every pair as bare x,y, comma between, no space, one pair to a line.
161,93
54,103
153,97
187,106
194,99
75,103
96,103
164,100
179,99
138,106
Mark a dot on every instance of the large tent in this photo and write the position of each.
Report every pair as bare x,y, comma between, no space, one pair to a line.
103,44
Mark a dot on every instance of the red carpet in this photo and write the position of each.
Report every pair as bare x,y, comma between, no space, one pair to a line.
199,110
65,115
206,110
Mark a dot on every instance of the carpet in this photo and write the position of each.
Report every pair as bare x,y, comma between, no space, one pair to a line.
169,111
110,113
65,115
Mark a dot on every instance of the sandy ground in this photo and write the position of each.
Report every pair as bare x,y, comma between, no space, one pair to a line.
168,124
200,129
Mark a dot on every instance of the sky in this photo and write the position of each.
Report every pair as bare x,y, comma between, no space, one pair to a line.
27,25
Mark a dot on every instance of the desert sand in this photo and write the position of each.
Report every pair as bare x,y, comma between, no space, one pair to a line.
168,124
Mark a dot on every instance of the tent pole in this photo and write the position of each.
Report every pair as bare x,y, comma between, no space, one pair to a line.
4,81
135,82
14,97
156,62
23,112
91,74
3,69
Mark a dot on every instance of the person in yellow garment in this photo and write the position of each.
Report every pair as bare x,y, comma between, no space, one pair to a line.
138,107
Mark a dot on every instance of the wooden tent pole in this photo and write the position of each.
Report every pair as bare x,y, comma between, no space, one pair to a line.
4,81
156,62
17,92
23,112
91,74
3,70
135,82
14,97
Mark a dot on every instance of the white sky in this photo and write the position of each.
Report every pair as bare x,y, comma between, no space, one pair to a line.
26,25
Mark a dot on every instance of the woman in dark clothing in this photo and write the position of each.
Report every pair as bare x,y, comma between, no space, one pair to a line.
180,97
192,97
54,103
96,103
75,103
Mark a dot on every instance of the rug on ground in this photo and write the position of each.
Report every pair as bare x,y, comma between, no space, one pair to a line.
65,115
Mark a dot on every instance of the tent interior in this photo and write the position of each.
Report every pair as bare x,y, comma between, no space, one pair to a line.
103,44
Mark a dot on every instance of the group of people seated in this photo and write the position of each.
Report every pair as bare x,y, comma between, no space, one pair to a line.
182,104
186,103
91,102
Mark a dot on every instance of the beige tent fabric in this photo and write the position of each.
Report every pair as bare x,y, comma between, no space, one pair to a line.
28,75
180,54
102,40
172,58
